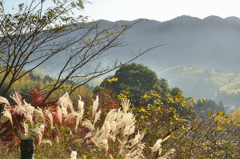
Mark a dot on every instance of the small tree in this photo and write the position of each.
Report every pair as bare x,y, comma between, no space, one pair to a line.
138,78
37,34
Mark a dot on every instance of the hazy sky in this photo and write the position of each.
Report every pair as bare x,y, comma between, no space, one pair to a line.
160,10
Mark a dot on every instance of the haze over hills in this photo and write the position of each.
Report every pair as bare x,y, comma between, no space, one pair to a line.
210,43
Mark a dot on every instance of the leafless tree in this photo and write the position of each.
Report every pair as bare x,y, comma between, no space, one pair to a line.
36,35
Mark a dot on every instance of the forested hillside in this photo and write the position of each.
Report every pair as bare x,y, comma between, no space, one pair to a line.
200,83
209,43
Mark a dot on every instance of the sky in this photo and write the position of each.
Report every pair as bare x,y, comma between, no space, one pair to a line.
160,10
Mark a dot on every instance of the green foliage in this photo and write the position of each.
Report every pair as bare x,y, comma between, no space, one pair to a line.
137,79
209,106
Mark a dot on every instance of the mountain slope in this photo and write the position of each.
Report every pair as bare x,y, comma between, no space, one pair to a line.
210,43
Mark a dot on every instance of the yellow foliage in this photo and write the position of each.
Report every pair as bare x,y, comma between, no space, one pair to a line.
113,79
236,115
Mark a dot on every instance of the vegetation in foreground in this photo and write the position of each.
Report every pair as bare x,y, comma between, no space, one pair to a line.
108,129
156,131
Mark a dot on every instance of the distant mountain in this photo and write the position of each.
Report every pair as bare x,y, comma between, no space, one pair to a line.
209,43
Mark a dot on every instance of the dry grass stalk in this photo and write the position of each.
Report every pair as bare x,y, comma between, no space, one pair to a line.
166,138
160,151
57,139
94,141
111,156
119,141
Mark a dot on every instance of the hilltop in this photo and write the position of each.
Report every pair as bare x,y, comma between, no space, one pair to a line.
210,43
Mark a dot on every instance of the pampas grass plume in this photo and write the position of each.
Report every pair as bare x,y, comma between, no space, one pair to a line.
4,100
95,106
6,113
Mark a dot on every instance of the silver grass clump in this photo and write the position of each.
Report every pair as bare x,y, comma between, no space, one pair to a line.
133,148
39,112
116,122
17,98
64,112
22,108
19,107
39,131
137,139
29,110
74,115
65,102
25,109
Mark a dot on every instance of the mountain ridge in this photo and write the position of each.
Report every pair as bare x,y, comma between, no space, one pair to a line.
209,43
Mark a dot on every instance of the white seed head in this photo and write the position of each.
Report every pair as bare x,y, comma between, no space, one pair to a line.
50,117
74,155
80,105
88,124
97,116
4,100
39,112
65,102
6,113
46,142
25,126
125,105
95,106
156,146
